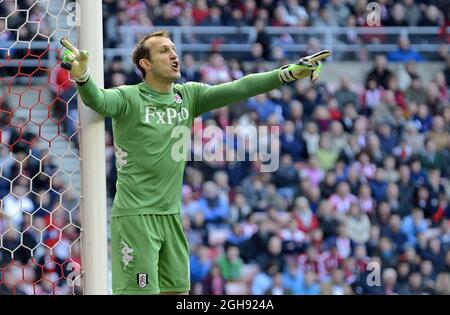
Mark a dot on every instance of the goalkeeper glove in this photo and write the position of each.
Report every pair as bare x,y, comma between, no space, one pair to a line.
309,66
75,61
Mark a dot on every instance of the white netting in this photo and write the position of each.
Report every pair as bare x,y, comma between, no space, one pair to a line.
39,164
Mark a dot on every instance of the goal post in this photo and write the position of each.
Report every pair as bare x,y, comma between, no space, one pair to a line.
92,152
53,205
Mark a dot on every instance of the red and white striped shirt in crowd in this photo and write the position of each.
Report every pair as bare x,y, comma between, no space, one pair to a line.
367,204
342,205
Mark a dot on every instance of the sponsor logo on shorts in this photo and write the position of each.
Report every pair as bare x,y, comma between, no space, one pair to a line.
142,280
127,254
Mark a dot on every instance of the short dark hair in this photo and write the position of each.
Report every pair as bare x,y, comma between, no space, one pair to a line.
140,51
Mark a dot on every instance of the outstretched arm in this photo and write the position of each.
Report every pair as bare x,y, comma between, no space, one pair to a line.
108,102
213,97
216,96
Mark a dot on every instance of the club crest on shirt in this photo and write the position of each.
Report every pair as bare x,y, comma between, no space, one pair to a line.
177,99
142,280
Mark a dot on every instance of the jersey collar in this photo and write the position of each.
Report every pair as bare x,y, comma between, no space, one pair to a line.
147,88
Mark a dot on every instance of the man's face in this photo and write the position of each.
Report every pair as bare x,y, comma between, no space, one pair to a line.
164,59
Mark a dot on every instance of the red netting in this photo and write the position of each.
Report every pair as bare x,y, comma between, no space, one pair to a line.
39,163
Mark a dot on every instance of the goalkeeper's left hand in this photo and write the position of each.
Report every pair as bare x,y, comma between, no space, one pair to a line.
75,61
309,66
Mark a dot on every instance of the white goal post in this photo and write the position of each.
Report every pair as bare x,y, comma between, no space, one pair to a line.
92,151
53,203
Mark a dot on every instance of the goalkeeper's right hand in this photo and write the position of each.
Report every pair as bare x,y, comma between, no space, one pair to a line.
309,66
75,61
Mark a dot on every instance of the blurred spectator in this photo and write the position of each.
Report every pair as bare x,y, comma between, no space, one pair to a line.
372,95
378,185
214,17
432,17
388,137
337,286
392,198
214,283
306,219
293,239
415,92
277,287
342,200
339,11
325,155
366,202
398,16
214,207
189,206
290,143
263,280
21,137
311,137
357,224
263,105
200,11
240,209
325,18
380,73
188,71
215,71
431,157
167,17
292,278
387,253
404,52
364,167
17,205
310,285
328,185
263,40
415,284
442,286
438,134
230,264
395,234
327,219
345,94
390,282
257,242
271,255
413,10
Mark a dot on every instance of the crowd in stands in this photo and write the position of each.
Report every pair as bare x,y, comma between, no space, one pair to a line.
363,179
321,13
282,13
362,184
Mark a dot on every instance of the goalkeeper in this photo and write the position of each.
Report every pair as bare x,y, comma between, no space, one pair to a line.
150,253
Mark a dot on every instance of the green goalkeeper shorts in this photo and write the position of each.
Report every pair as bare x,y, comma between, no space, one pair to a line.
149,254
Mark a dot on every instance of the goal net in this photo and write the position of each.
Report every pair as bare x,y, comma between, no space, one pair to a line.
40,226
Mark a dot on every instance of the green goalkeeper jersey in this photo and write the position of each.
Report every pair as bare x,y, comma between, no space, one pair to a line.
149,180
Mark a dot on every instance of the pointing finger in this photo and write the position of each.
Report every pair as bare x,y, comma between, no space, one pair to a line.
67,44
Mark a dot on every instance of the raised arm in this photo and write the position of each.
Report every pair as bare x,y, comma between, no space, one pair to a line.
108,102
216,96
